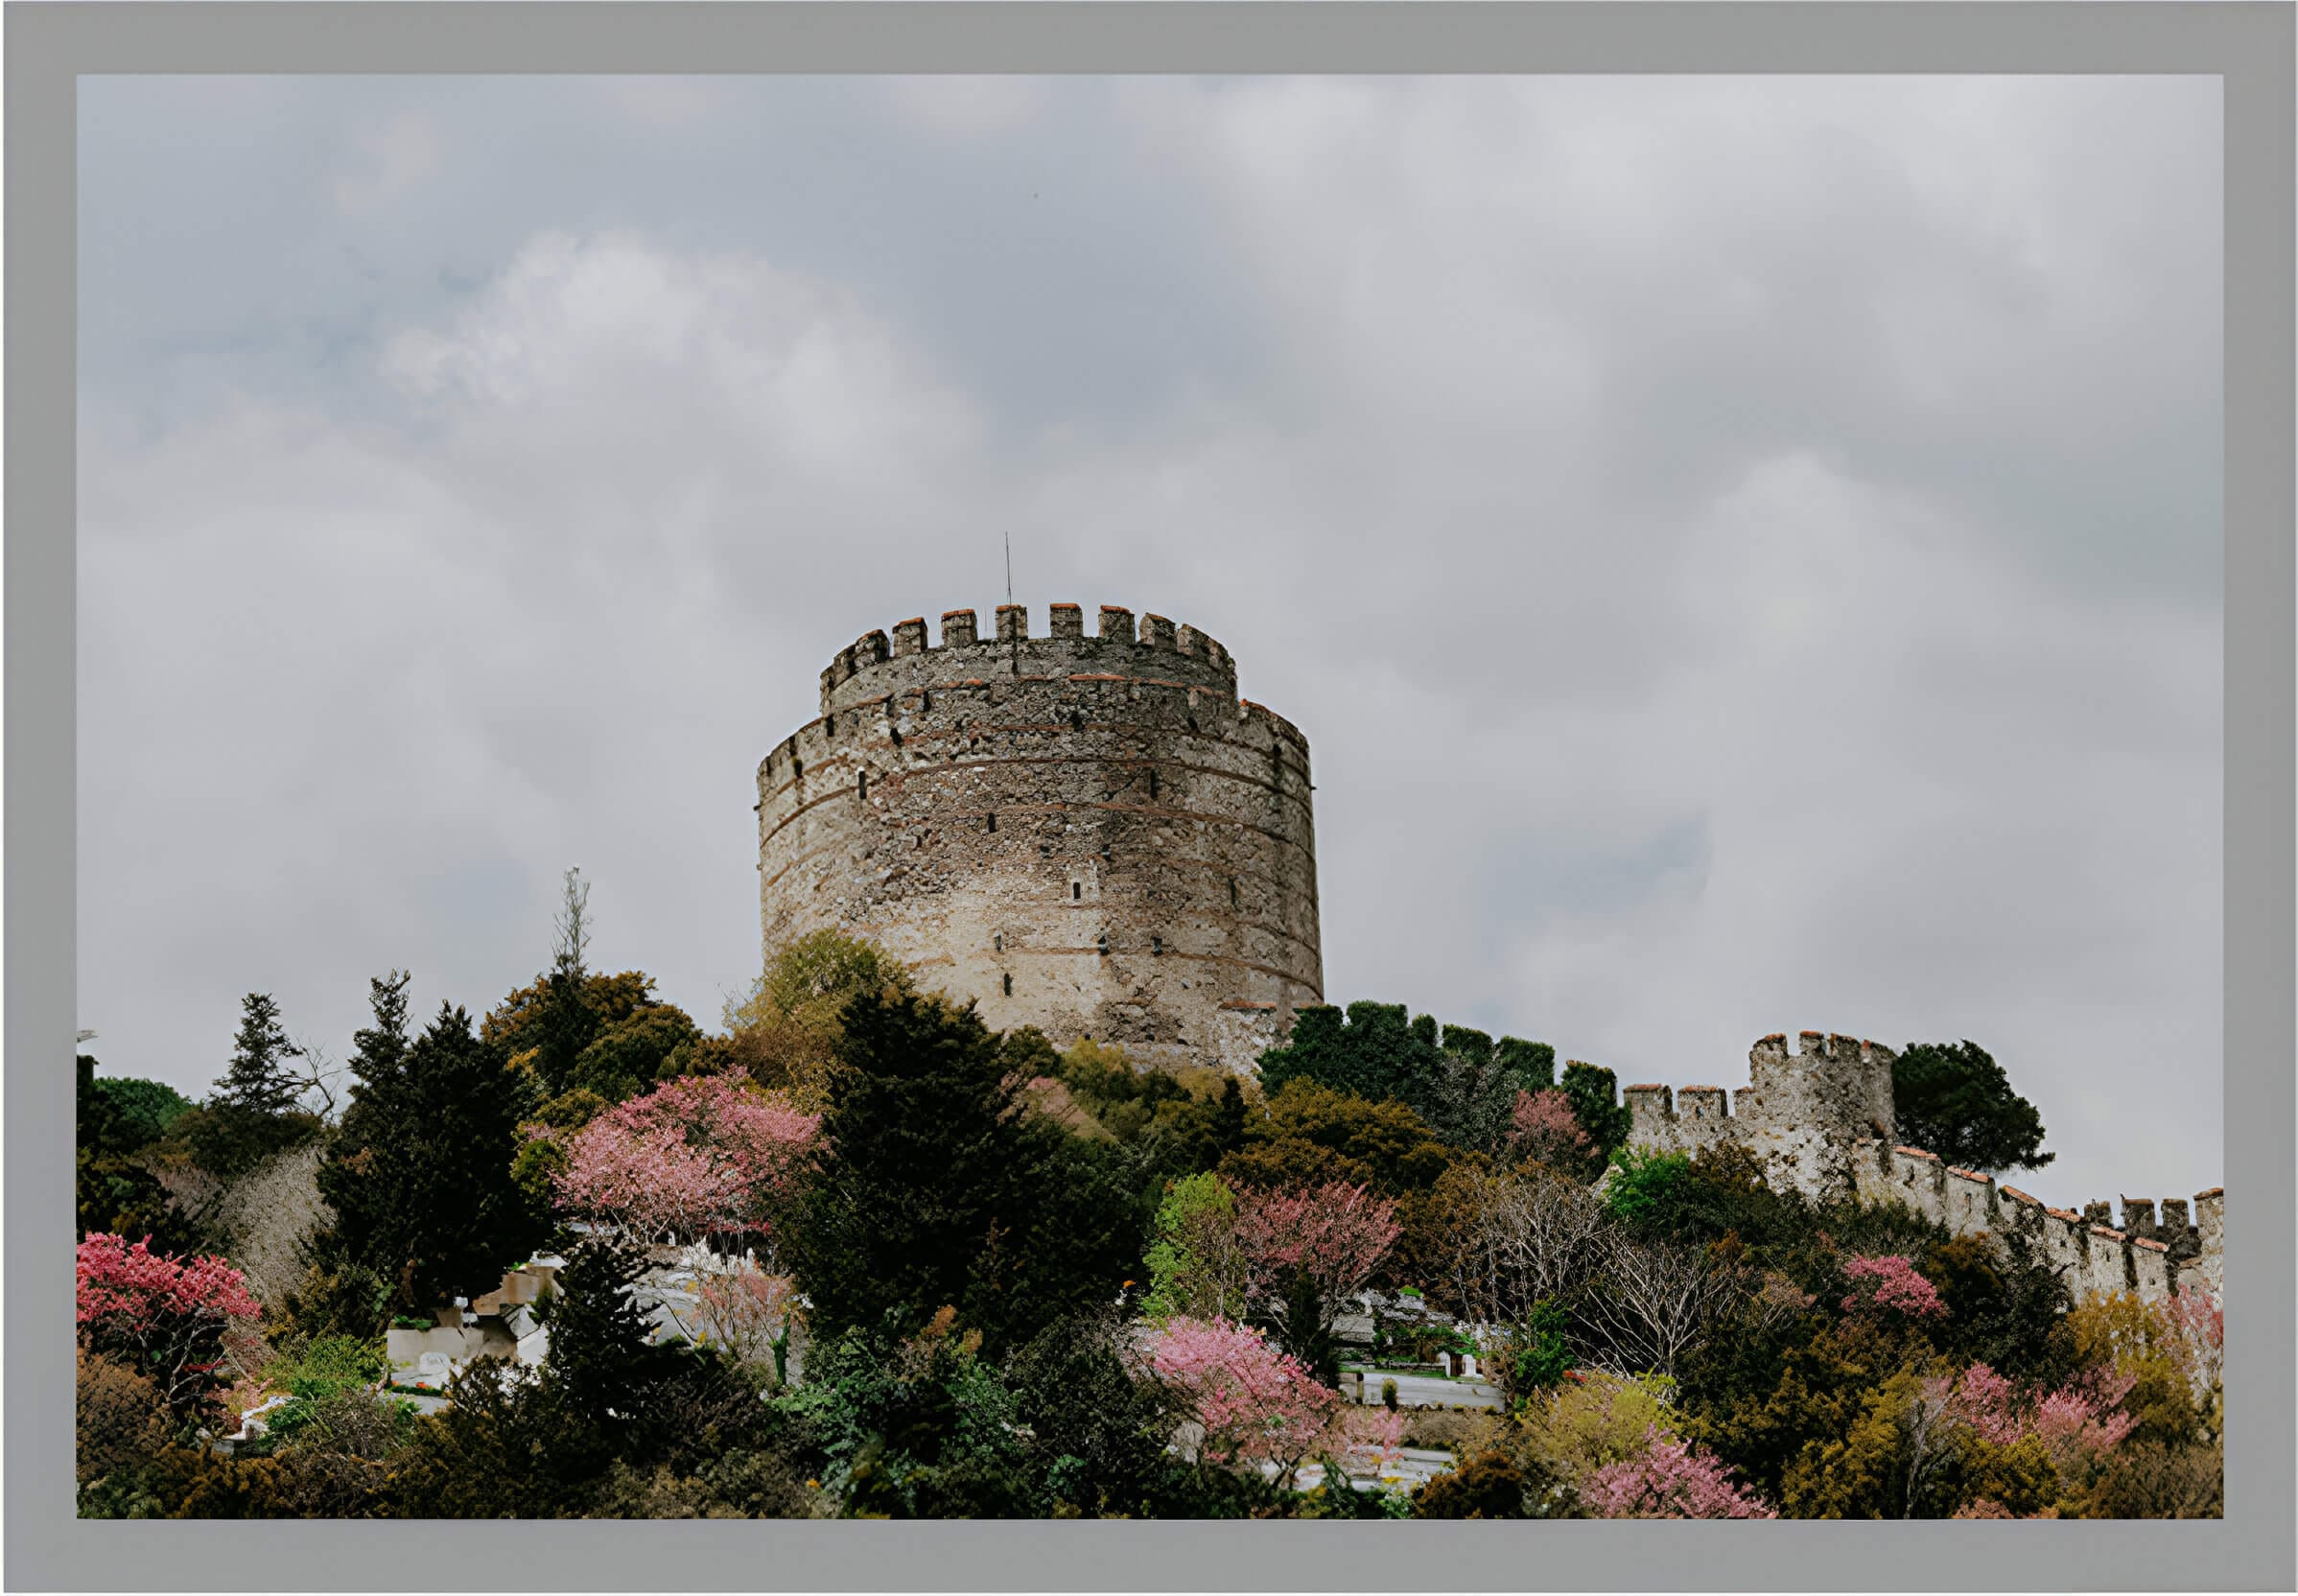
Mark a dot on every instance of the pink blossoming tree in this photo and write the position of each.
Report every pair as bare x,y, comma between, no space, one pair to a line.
1892,1285
696,1157
1543,1128
1251,1404
168,1319
1333,1235
1669,1479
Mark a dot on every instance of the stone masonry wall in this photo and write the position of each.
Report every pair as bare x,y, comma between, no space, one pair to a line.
1088,834
1801,1113
1821,1120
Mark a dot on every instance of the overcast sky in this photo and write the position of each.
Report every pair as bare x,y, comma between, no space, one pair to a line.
1746,553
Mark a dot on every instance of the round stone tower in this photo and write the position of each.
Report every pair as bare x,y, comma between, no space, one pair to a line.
1091,834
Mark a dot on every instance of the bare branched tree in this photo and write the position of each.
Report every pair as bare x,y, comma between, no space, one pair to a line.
1528,1235
318,1078
1652,1302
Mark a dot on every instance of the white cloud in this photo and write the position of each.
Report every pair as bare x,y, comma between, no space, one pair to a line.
1713,536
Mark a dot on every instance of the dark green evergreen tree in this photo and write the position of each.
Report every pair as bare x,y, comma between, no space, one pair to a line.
419,1172
1533,1064
1594,1093
1955,1101
569,1025
937,1191
602,1354
259,1080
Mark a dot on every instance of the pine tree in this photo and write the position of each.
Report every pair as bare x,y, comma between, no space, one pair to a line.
938,1193
603,1356
258,1080
567,1024
379,1052
419,1175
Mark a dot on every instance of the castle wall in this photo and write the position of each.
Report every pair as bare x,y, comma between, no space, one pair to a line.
1821,1119
1090,833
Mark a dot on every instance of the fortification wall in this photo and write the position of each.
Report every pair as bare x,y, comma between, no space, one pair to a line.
1801,1113
1092,834
1822,1121
2147,1255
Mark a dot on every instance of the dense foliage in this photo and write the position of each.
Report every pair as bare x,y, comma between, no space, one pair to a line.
859,1256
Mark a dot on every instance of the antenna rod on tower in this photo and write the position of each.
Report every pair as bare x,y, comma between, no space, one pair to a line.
1009,597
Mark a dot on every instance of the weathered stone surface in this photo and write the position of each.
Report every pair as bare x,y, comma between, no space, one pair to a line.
1092,834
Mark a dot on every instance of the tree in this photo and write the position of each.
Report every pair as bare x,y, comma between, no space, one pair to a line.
1197,1269
1306,1252
1461,1084
1314,1134
165,1319
691,1159
259,1080
1252,1403
784,1031
1670,1480
419,1174
1593,1092
1955,1101
1470,1092
936,1191
1543,1128
603,1352
1505,1242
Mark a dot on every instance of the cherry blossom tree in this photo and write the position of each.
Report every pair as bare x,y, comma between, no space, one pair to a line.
696,1157
1669,1479
1332,1235
1251,1402
1897,1288
168,1319
1544,1129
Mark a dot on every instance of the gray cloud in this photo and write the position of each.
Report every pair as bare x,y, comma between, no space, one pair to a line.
1745,553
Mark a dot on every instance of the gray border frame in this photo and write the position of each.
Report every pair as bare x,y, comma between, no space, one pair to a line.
2249,45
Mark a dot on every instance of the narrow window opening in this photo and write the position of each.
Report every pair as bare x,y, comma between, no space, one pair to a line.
993,820
1232,892
1156,945
861,784
1000,942
925,703
894,731
1101,942
1076,891
1009,986
797,767
1152,786
1076,722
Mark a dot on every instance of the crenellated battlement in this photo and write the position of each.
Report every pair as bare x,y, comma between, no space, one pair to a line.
2151,1256
1820,1117
1152,646
1800,1111
1078,825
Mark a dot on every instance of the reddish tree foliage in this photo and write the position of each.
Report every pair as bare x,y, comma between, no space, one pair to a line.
1334,1235
165,1319
1667,1480
692,1157
1544,1129
1254,1404
1897,1288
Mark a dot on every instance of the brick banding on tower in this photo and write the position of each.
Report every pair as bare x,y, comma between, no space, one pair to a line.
1088,833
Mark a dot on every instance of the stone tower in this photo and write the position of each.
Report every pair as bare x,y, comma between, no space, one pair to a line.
1088,834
